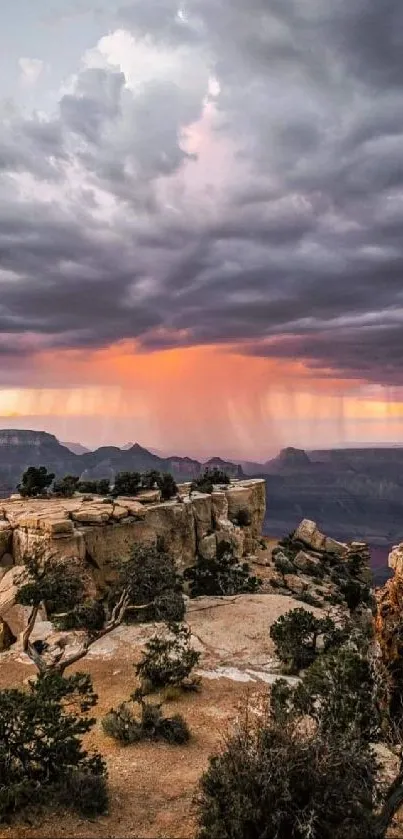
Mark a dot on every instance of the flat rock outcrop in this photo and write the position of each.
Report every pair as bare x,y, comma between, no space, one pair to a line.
95,531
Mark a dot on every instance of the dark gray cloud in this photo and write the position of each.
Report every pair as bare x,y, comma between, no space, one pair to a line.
111,229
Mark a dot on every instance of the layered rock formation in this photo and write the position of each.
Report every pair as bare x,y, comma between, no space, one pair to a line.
98,531
389,621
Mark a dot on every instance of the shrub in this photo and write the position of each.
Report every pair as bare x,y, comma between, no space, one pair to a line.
103,486
210,477
356,594
99,487
168,606
150,479
67,486
53,583
243,518
89,615
307,597
223,575
35,481
296,634
150,579
167,485
89,793
41,752
339,691
123,725
127,483
283,565
169,660
272,781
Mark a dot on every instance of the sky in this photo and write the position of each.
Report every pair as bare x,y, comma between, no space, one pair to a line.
201,214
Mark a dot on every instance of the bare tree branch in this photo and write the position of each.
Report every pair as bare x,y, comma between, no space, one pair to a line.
29,628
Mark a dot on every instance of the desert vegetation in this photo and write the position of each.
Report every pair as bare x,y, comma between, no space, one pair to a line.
208,479
300,760
304,764
38,482
224,575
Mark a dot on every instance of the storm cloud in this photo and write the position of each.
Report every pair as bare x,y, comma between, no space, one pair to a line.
216,172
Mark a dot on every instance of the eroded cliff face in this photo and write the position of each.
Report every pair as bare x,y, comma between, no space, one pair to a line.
96,532
389,625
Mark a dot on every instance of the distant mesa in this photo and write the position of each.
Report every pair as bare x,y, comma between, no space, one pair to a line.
289,458
293,457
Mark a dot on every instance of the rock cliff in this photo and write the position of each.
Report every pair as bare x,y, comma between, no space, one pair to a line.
97,531
389,621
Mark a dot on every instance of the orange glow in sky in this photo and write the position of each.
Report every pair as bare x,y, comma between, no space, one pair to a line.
200,401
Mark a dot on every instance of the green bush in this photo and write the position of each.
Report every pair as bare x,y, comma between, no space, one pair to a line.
41,751
97,487
67,486
208,479
273,781
167,485
35,481
295,635
283,565
243,518
169,660
52,582
340,693
221,576
356,594
103,486
123,725
307,597
151,580
89,615
127,483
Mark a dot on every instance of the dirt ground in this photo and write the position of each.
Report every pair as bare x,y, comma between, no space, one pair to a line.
152,786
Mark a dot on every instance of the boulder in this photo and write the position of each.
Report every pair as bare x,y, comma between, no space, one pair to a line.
150,496
133,507
11,613
334,547
99,514
120,512
295,584
58,528
306,562
208,547
389,763
308,533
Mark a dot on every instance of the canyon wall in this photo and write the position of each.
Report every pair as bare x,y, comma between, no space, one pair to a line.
98,531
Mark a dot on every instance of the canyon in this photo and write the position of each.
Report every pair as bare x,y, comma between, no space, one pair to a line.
351,493
152,786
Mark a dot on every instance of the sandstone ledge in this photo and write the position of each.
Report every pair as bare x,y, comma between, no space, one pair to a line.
100,530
